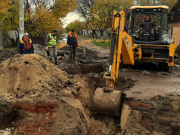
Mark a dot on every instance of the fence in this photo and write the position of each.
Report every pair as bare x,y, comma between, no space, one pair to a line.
87,33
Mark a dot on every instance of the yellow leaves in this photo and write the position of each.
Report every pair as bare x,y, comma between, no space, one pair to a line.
169,3
62,7
101,12
4,7
43,21
39,20
8,15
76,25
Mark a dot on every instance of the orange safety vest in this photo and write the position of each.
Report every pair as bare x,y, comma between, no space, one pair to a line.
70,33
29,44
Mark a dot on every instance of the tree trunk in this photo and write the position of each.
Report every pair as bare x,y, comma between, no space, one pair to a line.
101,33
1,40
87,32
93,33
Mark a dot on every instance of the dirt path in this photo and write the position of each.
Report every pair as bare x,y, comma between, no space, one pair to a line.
93,47
148,86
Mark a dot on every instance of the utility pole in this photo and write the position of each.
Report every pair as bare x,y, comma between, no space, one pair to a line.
21,18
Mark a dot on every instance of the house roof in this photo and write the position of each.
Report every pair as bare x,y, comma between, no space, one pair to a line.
175,5
160,6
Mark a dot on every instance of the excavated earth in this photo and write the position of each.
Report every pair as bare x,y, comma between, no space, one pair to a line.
39,98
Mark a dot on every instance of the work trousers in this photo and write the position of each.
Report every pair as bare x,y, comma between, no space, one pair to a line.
72,53
52,52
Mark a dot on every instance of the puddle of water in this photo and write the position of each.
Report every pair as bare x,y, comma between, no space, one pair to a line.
64,40
4,132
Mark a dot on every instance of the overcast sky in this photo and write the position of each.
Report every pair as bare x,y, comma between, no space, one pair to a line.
71,17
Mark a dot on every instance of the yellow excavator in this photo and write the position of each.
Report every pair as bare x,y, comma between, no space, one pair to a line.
135,44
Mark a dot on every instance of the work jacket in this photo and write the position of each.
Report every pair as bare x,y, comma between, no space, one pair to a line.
147,25
25,46
72,40
53,41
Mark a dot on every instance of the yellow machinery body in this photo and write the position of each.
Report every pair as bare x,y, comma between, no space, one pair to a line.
107,100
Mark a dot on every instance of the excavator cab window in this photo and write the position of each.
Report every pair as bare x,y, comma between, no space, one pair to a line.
145,30
149,25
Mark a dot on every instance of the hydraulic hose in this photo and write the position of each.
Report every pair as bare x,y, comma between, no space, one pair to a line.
112,48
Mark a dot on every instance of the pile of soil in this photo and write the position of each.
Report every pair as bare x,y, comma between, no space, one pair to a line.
7,53
41,96
31,75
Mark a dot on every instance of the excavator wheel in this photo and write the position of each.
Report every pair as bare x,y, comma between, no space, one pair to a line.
107,102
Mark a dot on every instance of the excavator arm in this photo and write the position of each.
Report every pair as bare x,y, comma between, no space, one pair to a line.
107,100
121,49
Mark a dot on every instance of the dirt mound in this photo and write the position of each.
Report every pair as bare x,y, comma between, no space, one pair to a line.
130,122
63,116
36,98
30,75
71,118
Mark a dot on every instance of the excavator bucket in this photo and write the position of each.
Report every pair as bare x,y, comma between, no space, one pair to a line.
107,102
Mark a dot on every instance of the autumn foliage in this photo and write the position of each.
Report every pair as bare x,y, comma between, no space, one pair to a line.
77,26
102,10
41,16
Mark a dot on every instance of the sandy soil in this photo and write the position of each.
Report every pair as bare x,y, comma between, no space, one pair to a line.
39,98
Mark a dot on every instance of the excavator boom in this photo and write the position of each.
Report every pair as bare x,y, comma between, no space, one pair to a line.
108,100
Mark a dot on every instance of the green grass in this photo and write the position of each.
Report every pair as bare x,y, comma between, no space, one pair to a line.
84,37
10,48
102,44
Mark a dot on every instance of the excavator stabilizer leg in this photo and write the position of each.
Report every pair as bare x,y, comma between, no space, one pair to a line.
107,102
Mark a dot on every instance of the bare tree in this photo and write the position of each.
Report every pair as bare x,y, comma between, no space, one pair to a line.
84,10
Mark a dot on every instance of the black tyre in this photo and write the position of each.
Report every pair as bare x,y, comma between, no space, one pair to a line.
165,67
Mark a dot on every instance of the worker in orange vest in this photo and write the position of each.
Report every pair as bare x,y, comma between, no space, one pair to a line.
25,45
72,42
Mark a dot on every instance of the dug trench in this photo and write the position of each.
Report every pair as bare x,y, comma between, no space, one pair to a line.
50,101
157,115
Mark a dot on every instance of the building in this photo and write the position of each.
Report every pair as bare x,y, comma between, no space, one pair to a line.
175,23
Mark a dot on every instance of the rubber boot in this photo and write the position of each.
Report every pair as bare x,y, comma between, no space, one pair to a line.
50,59
55,59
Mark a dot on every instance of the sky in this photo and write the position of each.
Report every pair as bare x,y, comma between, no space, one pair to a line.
71,17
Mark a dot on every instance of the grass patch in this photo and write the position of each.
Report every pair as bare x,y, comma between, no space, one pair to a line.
61,45
10,48
102,44
84,37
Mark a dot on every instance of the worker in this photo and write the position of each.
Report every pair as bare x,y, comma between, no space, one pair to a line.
147,27
51,44
72,42
25,45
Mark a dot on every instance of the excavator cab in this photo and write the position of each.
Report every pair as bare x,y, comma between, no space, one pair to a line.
153,36
155,30
145,39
